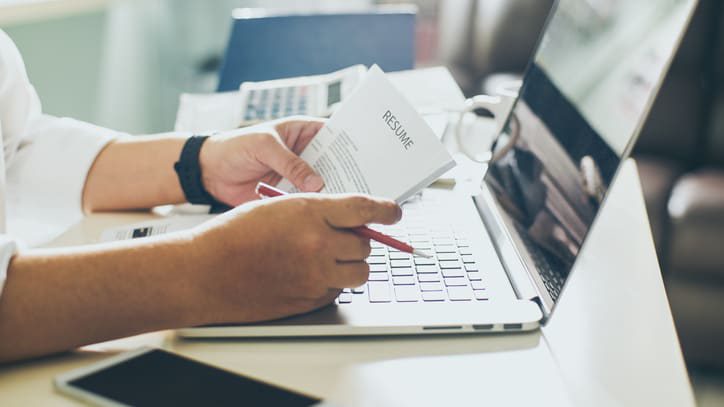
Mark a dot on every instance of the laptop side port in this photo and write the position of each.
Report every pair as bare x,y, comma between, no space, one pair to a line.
483,327
511,327
441,327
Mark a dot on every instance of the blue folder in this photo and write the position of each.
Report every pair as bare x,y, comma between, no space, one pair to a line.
280,46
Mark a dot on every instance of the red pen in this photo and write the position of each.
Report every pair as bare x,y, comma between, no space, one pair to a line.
269,191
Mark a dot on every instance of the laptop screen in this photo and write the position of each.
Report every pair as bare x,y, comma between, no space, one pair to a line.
587,91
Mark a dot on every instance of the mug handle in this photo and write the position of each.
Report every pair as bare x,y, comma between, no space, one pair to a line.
496,106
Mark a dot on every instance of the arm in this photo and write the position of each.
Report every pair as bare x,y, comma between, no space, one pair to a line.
137,172
56,300
134,173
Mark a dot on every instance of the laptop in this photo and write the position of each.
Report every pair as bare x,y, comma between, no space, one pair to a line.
503,255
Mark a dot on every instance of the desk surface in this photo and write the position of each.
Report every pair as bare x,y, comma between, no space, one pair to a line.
610,341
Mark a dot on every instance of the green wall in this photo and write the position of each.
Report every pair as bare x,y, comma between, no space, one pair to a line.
62,57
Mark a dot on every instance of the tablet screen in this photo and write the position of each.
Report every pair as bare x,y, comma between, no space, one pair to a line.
162,378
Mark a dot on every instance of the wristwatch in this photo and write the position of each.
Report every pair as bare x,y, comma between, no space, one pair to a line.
188,170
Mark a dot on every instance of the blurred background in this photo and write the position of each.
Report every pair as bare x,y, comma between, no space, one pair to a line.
123,64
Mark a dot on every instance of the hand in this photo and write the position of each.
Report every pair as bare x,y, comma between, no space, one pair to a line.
286,255
233,163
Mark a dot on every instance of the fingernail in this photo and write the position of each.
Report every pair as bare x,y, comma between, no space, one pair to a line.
313,183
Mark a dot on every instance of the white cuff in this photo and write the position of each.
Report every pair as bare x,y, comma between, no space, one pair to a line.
8,248
46,178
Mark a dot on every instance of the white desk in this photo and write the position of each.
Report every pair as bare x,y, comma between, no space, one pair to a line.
610,342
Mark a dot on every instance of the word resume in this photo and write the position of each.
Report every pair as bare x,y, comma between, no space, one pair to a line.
376,143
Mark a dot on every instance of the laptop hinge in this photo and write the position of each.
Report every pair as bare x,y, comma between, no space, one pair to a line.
518,273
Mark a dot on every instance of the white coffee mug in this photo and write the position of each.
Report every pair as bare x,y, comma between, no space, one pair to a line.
499,106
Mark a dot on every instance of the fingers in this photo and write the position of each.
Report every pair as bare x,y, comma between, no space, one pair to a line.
287,164
358,210
298,133
350,247
349,274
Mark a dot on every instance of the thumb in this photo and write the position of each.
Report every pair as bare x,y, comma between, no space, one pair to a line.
290,166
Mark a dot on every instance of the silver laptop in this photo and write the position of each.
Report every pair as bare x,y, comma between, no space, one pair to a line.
502,257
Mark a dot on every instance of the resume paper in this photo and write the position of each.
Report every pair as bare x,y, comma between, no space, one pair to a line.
376,143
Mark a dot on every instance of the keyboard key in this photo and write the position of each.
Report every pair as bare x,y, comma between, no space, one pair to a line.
376,260
468,259
379,291
346,290
481,295
447,273
433,296
426,278
456,282
447,256
443,242
460,293
427,269
407,280
403,271
432,286
400,263
378,268
428,252
422,261
378,251
378,277
463,243
400,256
466,251
407,293
420,239
450,264
471,267
475,276
445,249
359,290
477,285
345,298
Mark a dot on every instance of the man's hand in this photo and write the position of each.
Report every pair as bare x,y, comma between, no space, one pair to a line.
232,163
285,255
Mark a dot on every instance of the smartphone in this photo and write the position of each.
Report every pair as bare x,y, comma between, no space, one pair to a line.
155,377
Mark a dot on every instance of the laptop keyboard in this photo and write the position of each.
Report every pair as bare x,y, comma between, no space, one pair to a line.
451,275
549,274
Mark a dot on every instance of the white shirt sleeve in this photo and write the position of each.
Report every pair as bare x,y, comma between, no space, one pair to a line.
8,248
46,177
46,159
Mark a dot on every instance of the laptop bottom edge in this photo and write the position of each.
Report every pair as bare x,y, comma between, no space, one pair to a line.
448,318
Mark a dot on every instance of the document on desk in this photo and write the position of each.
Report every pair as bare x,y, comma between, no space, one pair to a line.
376,143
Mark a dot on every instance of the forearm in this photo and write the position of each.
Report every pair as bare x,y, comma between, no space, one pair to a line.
135,173
59,300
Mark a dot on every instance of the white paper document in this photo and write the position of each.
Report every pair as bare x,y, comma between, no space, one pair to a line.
153,227
208,112
376,143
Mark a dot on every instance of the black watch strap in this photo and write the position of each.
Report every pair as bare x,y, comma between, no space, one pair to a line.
188,170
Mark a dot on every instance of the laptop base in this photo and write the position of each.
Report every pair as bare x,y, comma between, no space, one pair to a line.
388,319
